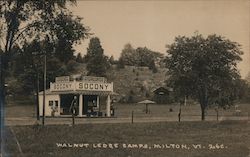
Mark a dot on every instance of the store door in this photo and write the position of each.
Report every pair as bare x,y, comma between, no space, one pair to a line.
66,100
90,105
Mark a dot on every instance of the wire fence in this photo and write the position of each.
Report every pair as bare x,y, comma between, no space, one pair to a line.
148,116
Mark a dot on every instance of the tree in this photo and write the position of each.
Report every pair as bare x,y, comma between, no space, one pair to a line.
27,66
120,64
71,65
147,57
204,69
22,21
152,66
128,55
79,58
112,60
68,30
248,78
97,62
26,20
141,56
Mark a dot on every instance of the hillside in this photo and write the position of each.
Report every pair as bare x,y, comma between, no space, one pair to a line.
138,82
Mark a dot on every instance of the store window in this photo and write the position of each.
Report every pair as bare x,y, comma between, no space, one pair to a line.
56,103
50,103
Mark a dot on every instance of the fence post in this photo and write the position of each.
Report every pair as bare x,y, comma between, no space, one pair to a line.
217,115
248,117
179,115
132,118
73,119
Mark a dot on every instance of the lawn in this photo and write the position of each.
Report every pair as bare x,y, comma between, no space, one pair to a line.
231,137
188,112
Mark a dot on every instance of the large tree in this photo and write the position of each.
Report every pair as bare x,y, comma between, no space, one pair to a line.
97,62
128,55
147,57
26,20
204,69
22,21
141,56
27,66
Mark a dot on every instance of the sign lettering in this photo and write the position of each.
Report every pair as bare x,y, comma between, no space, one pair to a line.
81,86
94,86
62,86
62,79
94,79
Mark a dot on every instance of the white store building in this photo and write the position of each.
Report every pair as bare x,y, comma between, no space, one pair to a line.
93,97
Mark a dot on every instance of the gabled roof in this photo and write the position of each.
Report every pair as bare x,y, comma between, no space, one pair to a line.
163,89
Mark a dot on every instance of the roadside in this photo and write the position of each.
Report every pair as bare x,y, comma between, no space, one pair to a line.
17,115
68,121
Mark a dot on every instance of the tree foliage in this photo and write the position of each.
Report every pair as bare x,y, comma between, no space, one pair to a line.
27,66
248,78
26,20
79,58
97,62
36,28
204,68
68,31
141,56
128,55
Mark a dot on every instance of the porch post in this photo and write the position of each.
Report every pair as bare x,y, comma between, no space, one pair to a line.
80,105
98,102
108,106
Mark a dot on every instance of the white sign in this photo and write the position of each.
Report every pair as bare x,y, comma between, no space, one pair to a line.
81,86
94,86
62,79
94,79
67,86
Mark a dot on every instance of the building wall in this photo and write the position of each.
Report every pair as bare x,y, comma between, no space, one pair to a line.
48,108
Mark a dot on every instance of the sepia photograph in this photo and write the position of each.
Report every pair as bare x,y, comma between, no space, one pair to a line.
105,78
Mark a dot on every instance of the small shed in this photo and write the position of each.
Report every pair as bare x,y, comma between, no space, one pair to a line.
162,95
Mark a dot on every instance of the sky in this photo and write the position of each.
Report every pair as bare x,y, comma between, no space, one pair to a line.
155,24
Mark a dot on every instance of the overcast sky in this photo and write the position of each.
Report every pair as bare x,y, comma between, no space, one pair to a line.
155,24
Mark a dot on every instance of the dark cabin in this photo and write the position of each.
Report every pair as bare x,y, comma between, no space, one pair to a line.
162,95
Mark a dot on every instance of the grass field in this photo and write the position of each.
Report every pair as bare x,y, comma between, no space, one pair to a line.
124,110
37,141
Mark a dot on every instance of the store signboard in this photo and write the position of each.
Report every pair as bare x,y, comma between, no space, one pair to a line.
81,86
94,86
94,79
62,86
62,79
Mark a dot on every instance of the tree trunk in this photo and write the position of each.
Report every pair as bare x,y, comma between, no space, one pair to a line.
203,113
204,102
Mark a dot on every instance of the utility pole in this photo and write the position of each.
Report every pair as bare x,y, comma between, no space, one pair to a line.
37,97
185,100
44,88
132,118
2,103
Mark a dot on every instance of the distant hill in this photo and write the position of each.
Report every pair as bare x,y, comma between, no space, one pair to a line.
138,82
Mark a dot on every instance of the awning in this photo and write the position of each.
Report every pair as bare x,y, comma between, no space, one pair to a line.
146,102
84,92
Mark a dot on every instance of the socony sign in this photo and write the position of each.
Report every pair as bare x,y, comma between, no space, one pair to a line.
81,86
94,86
